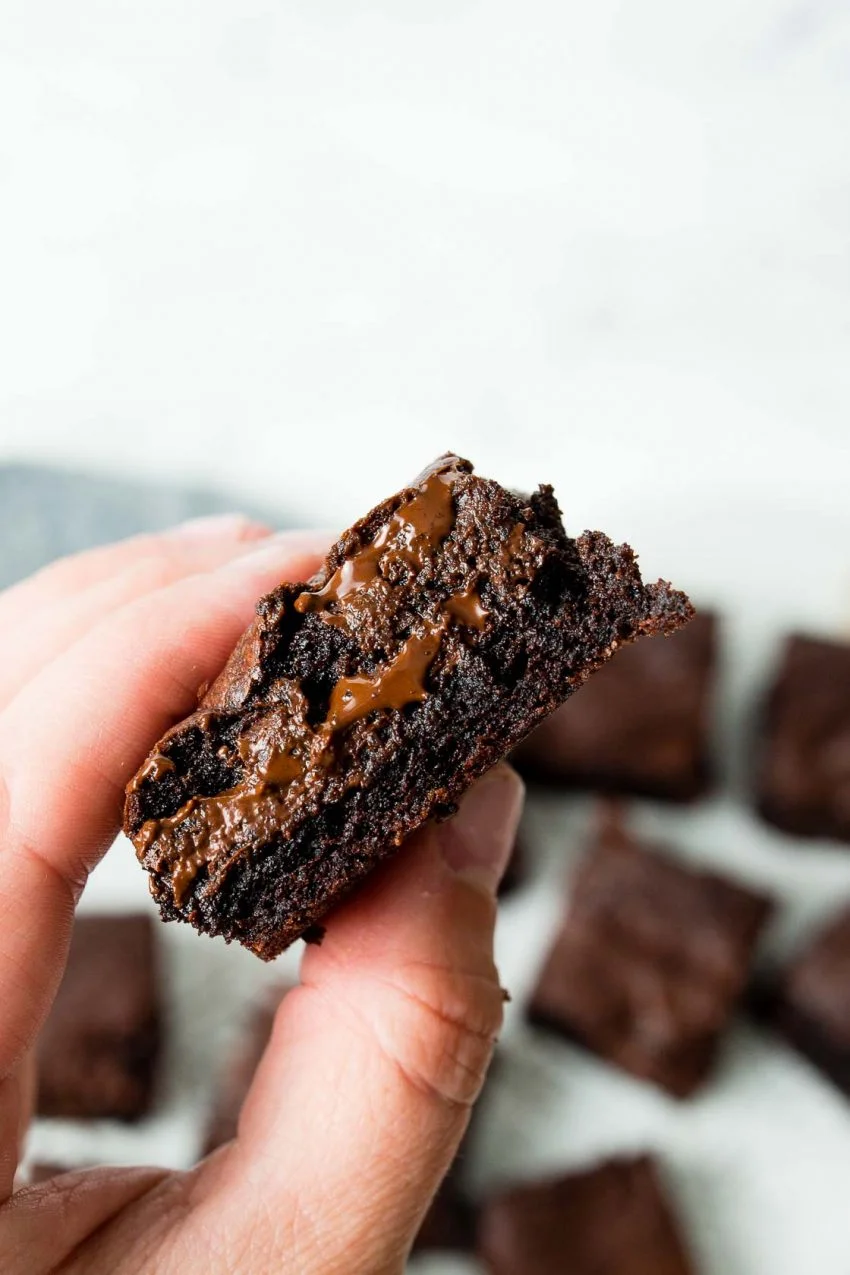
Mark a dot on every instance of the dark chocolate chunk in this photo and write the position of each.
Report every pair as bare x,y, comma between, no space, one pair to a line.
809,1002
611,1220
650,961
235,1081
803,768
440,630
640,727
97,1054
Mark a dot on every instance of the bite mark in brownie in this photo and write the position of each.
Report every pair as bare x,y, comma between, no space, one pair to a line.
640,727
97,1053
803,769
613,1219
442,627
809,1002
650,961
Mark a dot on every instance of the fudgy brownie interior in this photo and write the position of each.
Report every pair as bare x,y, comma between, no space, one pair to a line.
442,627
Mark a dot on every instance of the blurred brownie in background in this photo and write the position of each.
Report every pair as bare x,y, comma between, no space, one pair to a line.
650,961
610,1220
640,726
98,1051
803,767
240,1068
449,1224
809,1002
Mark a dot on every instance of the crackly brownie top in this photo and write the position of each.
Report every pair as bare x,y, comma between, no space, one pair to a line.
609,1220
805,765
817,984
641,898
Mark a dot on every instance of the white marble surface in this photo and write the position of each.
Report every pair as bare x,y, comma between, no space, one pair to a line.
296,249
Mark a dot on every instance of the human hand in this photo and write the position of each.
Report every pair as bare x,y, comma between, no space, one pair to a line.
364,1091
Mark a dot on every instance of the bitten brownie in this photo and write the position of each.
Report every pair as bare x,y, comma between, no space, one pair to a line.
235,1080
442,627
98,1051
650,961
611,1220
641,726
809,1002
803,768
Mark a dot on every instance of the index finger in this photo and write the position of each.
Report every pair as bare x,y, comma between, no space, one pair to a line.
72,739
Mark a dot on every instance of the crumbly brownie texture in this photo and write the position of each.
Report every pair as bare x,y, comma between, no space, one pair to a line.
441,629
239,1072
803,769
97,1053
809,1004
640,727
650,961
610,1220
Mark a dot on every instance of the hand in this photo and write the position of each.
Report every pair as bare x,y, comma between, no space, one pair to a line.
364,1091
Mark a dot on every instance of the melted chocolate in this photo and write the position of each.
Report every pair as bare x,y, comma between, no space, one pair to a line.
400,682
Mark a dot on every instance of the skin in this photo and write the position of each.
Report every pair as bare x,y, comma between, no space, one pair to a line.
376,1058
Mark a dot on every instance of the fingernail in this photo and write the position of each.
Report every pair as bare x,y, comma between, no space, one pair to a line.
477,843
214,525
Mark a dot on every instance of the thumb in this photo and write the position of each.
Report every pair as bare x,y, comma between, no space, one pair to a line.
364,1093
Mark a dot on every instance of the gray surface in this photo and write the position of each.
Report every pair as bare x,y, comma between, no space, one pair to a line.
46,513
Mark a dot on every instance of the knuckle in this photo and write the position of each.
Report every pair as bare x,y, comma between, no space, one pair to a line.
439,1028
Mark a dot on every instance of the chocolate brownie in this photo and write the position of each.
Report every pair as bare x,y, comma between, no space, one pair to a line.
449,1224
516,871
803,768
610,1220
650,960
641,726
809,1002
441,628
239,1072
97,1053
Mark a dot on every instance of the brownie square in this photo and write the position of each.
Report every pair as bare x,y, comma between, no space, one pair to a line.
449,1224
610,1220
650,961
441,628
235,1080
809,1002
803,769
641,726
97,1053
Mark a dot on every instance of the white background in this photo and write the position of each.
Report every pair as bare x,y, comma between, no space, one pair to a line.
297,249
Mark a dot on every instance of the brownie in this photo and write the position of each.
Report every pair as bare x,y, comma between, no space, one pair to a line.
809,1002
516,871
441,628
610,1220
235,1080
650,960
449,1224
640,727
97,1053
803,768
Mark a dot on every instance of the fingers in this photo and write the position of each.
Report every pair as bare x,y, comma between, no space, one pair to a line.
40,624
71,739
364,1093
70,575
